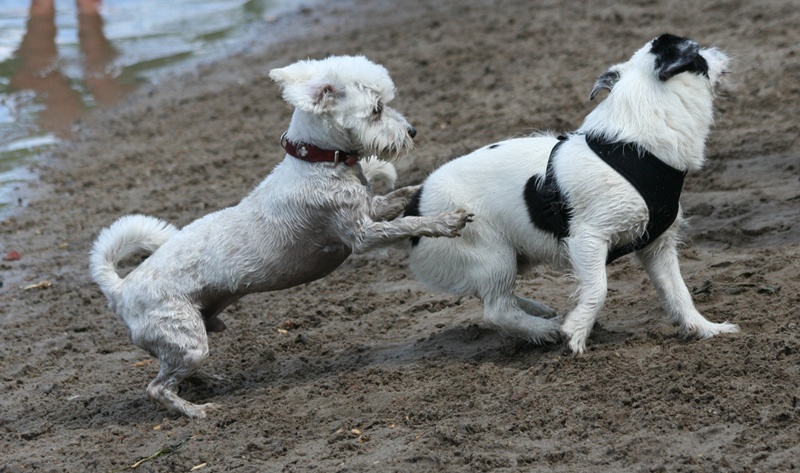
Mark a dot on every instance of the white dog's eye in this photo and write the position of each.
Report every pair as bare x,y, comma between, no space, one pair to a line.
377,110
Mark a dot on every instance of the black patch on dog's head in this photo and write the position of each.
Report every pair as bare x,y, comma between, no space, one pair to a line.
494,146
675,55
412,210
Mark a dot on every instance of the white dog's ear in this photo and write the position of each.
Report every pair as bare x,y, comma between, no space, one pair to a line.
315,96
606,81
303,89
675,55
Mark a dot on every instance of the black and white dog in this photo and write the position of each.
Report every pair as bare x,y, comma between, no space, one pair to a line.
579,201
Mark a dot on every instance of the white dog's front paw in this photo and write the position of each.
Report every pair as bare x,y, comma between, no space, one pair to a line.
453,222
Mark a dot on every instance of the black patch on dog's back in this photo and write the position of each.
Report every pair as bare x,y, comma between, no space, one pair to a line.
546,208
412,210
675,55
496,145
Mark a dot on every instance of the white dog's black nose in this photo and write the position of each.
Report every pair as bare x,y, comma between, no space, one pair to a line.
412,132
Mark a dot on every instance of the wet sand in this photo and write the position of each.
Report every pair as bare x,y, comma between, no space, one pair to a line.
382,374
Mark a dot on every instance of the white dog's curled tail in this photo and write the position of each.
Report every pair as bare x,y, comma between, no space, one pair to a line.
125,236
376,170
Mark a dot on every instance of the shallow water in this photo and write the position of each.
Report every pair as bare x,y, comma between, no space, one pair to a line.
55,68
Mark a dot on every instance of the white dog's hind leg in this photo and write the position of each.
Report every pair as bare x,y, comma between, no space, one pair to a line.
660,260
588,256
163,390
180,343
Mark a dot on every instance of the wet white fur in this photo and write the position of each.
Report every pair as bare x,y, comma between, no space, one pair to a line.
298,225
669,118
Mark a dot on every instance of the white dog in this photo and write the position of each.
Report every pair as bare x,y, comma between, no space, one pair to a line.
583,200
298,225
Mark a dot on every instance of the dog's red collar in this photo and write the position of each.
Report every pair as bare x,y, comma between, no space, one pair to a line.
311,153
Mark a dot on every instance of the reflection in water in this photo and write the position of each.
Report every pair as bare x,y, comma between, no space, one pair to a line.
58,63
39,68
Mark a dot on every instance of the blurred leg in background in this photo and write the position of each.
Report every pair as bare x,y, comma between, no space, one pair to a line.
98,55
40,65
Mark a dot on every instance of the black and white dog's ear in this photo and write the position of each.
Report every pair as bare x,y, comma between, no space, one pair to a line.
675,55
606,81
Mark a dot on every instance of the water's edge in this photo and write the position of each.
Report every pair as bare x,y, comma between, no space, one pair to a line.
27,138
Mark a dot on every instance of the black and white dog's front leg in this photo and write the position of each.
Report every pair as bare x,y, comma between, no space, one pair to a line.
660,260
392,205
588,254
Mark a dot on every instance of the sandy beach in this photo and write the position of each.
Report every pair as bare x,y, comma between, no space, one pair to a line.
383,374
